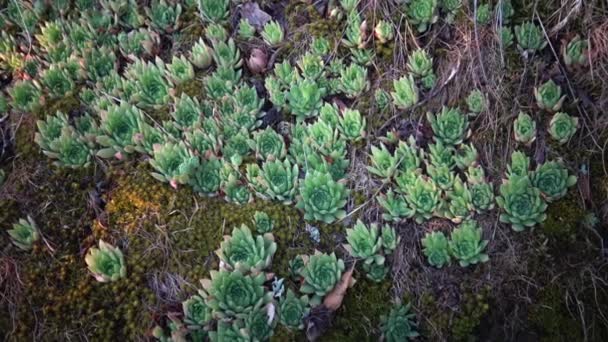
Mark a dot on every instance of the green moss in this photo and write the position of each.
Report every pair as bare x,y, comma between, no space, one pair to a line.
358,319
64,105
192,88
551,316
563,219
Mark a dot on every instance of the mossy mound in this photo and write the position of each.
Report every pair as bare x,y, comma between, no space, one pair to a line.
563,219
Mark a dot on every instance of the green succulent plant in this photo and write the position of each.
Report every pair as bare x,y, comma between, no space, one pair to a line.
466,155
234,294
322,198
51,34
262,222
352,125
353,81
383,163
390,239
57,82
216,33
441,154
575,51
280,179
174,163
227,54
99,62
405,94
150,89
408,155
321,274
26,96
268,144
237,144
505,36
214,10
164,16
246,30
419,63
236,191
349,5
24,234
482,196
422,13
196,313
530,38
375,272
382,98
106,263
395,207
206,177
450,8
260,323
364,242
320,46
293,310
552,179
119,125
363,57
483,14
354,37
460,202
384,31
305,99
450,126
466,244
524,129
442,176
423,196
187,112
477,102
245,252
398,325
272,33
504,11
69,149
330,115
520,164
140,43
549,96
562,127
436,250
180,70
311,66
521,202
201,55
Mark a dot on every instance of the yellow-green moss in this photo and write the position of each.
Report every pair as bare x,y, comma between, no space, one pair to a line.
563,219
550,315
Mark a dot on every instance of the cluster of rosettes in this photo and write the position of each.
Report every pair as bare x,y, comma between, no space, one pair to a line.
241,302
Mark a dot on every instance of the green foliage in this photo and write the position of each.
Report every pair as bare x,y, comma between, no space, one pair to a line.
196,313
422,13
349,5
435,248
150,89
216,33
164,16
466,244
57,81
450,127
395,207
260,323
320,46
423,197
180,70
382,98
419,63
322,198
305,99
99,63
364,243
24,234
26,96
119,124
383,163
405,94
466,155
201,55
292,310
482,196
206,177
312,66
521,202
279,180
138,43
477,102
268,144
441,175
352,125
530,38
69,149
520,164
549,96
505,36
106,263
384,31
483,14
460,202
213,10
174,163
524,129
399,325
575,51
243,252
552,179
226,54
272,33
355,38
233,294
562,127
321,273
262,222
246,30
353,81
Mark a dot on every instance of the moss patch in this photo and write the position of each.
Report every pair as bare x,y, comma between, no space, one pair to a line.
563,220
